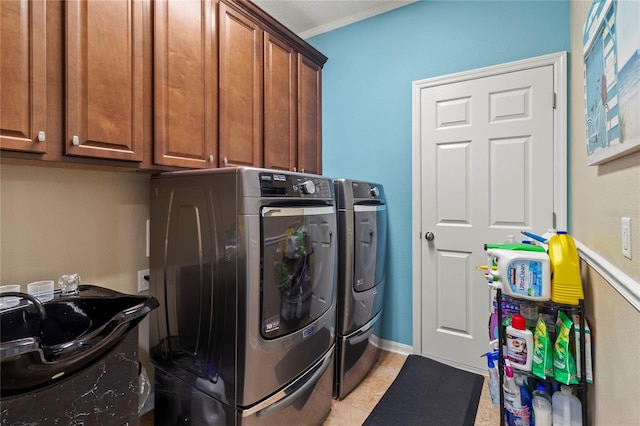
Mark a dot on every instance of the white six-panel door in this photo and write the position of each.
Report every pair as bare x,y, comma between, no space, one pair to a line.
486,169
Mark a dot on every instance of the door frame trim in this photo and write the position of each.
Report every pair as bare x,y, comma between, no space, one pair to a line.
559,62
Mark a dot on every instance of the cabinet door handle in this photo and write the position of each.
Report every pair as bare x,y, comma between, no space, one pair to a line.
295,169
225,161
41,136
75,140
211,158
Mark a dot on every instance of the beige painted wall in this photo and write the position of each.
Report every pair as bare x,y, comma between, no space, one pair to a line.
57,219
600,196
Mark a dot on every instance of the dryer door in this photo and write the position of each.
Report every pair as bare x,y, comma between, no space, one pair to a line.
298,267
370,245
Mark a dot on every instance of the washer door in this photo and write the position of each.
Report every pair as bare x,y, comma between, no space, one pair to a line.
298,267
370,245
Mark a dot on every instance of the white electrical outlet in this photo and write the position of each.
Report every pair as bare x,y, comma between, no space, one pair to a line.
143,284
626,237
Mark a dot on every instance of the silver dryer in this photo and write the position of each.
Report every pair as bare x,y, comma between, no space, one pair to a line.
362,248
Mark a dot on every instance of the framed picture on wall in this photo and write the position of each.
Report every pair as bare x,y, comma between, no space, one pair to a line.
611,38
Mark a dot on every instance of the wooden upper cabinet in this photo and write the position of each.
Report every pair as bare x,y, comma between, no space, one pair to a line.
107,78
309,116
240,89
23,80
186,80
280,103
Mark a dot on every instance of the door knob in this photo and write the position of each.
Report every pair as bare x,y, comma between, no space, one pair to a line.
429,236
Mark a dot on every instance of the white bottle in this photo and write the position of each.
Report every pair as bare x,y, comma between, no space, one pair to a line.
541,403
521,274
519,344
567,408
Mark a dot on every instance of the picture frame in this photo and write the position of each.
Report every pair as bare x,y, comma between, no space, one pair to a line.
611,38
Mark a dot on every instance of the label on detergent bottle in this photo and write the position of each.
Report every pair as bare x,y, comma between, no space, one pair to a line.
517,350
520,417
525,277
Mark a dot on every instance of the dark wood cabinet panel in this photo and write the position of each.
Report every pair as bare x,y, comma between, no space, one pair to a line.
240,89
309,116
186,79
106,78
23,79
157,84
292,137
280,101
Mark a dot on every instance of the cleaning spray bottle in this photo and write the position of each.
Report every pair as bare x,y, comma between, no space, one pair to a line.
511,394
517,402
494,381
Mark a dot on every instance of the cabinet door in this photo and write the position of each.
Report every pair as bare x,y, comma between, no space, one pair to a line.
309,116
106,78
23,80
186,81
280,103
240,89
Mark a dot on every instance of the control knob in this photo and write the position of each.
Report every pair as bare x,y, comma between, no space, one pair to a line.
374,191
308,187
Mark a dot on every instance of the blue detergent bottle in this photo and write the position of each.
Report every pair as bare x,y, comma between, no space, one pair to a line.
523,416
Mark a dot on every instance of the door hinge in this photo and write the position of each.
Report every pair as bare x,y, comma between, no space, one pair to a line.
553,101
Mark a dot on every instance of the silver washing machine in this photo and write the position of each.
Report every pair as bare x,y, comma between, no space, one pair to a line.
362,248
243,263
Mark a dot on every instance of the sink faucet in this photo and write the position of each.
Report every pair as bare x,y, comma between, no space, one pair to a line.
32,299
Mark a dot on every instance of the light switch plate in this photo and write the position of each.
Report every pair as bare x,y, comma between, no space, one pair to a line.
626,237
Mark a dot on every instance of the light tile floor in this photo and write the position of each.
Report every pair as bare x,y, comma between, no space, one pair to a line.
355,408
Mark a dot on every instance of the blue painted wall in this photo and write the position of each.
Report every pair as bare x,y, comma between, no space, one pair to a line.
367,85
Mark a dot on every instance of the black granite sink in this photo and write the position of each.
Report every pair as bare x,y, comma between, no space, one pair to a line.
41,344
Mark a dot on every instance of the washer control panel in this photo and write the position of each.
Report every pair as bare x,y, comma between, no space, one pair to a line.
367,190
308,187
286,185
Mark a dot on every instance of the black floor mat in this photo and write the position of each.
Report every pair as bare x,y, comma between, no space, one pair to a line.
427,392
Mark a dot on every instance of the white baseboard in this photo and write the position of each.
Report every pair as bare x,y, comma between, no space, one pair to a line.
395,347
621,282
